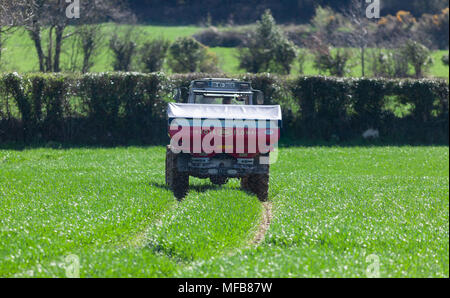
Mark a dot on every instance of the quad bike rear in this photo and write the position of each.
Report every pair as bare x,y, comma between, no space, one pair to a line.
222,132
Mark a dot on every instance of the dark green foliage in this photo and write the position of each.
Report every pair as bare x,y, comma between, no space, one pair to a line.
418,56
13,85
118,108
125,106
215,38
324,105
124,49
248,11
367,103
445,59
90,39
326,21
41,101
93,108
188,55
389,65
267,49
335,64
55,98
153,54
344,108
433,29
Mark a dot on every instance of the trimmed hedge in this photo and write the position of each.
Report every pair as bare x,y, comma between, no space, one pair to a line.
124,108
344,108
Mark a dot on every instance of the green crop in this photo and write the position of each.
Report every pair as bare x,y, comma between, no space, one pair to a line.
334,209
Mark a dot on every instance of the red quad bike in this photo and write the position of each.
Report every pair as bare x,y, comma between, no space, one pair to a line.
223,132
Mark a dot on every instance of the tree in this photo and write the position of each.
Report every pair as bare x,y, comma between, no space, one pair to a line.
360,25
267,49
182,12
433,30
326,61
90,38
188,55
418,56
388,64
394,31
185,55
326,21
123,48
51,15
302,56
153,54
12,14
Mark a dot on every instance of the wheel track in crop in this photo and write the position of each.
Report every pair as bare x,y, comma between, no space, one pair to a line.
264,224
140,240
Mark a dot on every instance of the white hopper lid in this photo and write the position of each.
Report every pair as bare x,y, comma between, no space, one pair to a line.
215,111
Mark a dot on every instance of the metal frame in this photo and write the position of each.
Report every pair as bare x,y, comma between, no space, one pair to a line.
220,92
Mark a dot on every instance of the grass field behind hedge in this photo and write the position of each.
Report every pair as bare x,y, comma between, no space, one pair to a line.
333,207
20,56
229,63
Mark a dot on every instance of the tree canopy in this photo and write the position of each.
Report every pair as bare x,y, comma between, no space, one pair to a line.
248,11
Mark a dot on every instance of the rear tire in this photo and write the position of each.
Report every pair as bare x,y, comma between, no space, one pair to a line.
177,182
259,185
244,184
169,167
181,186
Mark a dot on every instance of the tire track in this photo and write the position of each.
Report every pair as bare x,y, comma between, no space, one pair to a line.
264,224
139,240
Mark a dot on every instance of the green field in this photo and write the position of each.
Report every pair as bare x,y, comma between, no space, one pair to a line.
333,209
19,54
229,63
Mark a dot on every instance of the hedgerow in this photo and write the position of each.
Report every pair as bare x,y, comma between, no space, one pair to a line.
123,108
